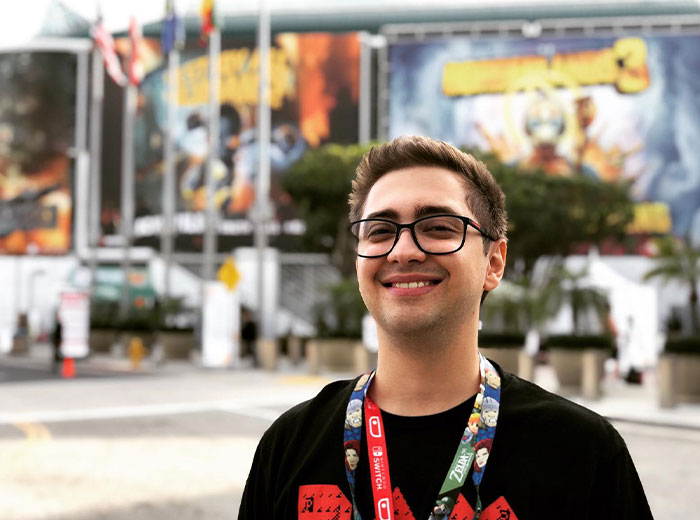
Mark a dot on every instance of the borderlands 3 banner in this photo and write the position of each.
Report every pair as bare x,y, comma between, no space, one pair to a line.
607,108
37,111
314,100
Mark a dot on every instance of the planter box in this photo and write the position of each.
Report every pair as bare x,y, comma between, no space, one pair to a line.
101,340
506,357
364,359
678,379
579,371
20,346
338,354
268,353
176,344
295,349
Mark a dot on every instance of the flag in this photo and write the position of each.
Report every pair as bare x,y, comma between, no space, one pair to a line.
173,36
207,11
135,65
104,41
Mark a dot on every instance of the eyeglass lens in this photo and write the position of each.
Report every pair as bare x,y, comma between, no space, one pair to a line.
441,234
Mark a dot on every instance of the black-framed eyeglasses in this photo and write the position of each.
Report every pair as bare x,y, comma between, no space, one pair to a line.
434,235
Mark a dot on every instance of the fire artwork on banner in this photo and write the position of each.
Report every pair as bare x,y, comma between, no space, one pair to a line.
37,111
314,100
608,108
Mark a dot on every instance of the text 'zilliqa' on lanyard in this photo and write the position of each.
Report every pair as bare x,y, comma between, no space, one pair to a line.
472,452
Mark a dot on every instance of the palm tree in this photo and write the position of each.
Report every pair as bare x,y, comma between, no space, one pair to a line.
565,286
529,301
677,260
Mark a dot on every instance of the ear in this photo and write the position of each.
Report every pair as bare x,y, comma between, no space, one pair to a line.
496,264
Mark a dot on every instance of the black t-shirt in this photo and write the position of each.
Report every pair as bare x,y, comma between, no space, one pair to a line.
420,451
550,458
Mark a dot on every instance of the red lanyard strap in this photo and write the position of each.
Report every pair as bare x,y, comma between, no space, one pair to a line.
378,462
472,452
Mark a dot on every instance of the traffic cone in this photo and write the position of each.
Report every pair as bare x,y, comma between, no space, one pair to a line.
68,368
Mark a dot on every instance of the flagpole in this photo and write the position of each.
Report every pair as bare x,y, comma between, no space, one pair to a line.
262,207
127,213
96,104
210,236
167,231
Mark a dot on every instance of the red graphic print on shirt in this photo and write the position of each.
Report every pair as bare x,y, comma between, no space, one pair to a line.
323,502
327,502
401,509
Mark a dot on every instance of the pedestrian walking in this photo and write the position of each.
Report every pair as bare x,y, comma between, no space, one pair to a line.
56,339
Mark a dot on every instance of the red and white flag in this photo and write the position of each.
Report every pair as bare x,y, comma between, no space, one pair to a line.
135,64
104,41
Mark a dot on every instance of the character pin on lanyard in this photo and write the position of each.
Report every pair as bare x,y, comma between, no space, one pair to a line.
473,450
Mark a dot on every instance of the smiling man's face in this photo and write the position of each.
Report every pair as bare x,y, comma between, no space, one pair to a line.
442,290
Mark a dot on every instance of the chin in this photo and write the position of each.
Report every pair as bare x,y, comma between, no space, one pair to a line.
410,324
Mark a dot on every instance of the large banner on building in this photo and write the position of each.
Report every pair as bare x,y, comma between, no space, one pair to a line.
314,100
606,107
37,114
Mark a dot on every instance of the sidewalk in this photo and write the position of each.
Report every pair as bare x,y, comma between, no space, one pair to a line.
182,385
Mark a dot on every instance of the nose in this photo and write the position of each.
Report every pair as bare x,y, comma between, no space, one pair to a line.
406,250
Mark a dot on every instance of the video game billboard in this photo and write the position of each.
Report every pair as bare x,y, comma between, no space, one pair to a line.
314,100
37,119
605,107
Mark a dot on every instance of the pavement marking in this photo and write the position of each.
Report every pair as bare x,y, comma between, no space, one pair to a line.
251,408
34,431
256,413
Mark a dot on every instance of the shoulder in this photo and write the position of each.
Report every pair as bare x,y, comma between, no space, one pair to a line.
528,407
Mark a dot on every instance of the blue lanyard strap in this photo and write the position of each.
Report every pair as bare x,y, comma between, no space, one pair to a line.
472,452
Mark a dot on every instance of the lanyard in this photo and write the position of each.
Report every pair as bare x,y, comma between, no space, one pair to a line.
472,452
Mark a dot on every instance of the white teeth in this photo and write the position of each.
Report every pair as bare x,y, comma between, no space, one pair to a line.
410,285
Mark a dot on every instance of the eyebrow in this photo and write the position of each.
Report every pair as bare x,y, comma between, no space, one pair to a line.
419,212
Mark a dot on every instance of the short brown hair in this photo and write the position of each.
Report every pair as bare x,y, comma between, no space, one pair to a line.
484,196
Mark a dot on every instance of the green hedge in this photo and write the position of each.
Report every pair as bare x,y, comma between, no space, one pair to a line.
573,342
501,339
683,345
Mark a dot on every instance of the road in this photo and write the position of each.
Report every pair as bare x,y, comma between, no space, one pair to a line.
184,449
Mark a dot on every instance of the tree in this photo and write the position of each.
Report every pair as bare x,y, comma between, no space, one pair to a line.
677,260
551,216
319,183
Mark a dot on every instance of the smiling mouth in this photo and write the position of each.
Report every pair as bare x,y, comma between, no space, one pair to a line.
411,285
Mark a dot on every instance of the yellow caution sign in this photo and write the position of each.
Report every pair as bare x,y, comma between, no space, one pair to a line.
229,274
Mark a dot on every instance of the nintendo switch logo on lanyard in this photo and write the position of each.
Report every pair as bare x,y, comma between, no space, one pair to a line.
384,509
375,427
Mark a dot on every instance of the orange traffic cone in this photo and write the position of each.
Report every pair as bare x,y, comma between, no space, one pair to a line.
68,368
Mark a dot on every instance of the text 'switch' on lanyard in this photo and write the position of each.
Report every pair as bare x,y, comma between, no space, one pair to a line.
472,452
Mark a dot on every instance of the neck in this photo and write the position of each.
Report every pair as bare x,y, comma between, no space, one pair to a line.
411,381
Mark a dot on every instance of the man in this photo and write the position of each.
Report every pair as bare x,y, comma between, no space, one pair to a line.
430,224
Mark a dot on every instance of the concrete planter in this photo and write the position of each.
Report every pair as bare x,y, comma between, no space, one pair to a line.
268,353
512,359
579,371
678,379
176,344
506,357
337,354
295,349
101,340
20,346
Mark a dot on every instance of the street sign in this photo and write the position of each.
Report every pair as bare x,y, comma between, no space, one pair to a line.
228,274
